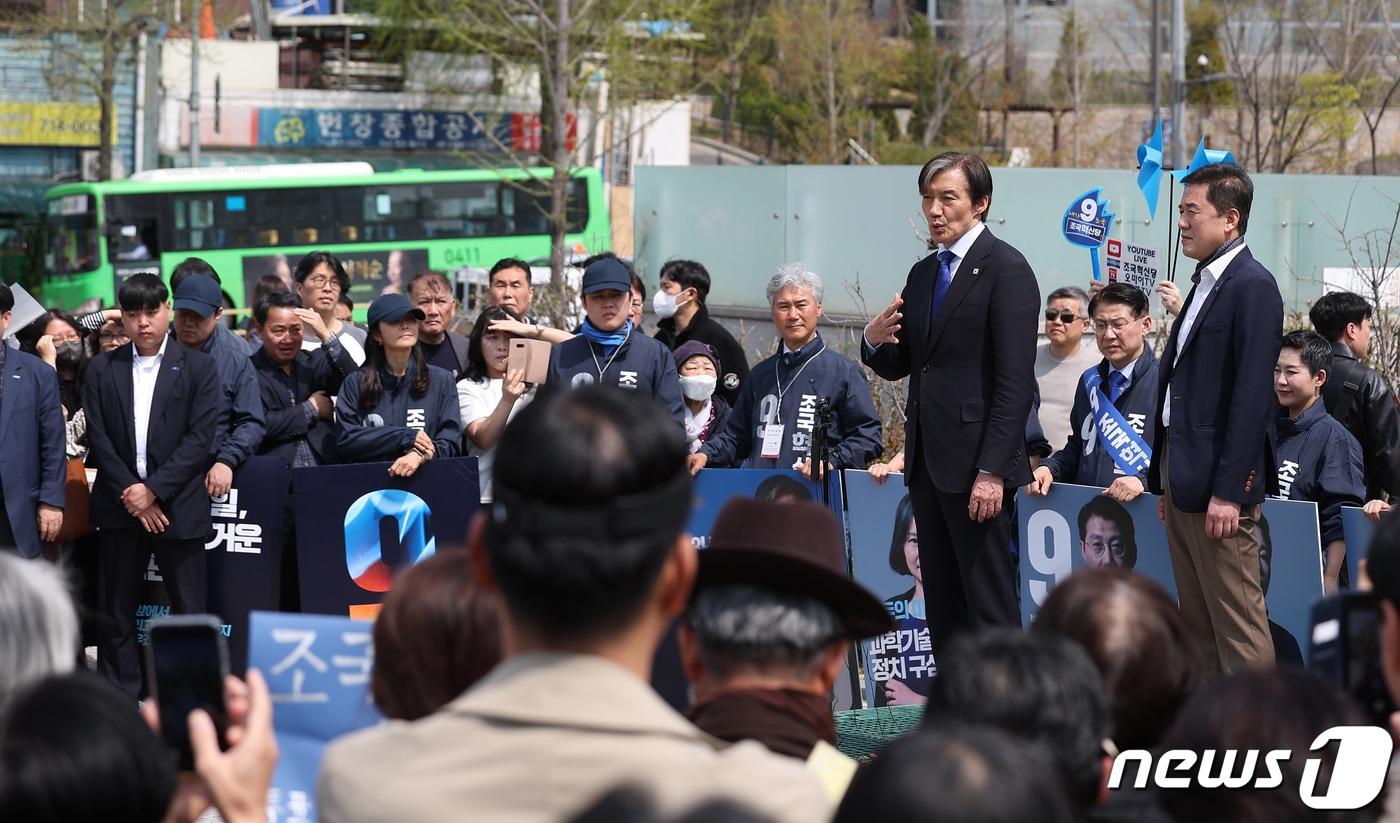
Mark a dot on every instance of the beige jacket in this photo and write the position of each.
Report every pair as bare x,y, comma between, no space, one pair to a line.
540,739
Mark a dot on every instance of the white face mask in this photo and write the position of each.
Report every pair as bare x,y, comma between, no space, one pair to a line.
698,387
665,305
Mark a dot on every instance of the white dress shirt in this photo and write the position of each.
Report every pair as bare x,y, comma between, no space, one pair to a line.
1210,275
144,371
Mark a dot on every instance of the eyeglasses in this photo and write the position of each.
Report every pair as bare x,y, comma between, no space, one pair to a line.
71,337
1065,317
320,281
1118,325
1102,548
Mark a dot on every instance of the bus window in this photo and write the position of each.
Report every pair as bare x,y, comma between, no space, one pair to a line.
462,209
308,236
73,236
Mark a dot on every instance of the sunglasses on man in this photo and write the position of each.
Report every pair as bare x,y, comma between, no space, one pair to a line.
1065,317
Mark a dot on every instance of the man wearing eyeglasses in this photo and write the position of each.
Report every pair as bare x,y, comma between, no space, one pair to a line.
1114,418
1061,358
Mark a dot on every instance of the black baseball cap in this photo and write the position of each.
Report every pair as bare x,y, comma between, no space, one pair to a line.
391,308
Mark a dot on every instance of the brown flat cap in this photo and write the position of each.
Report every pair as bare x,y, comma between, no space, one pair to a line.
795,547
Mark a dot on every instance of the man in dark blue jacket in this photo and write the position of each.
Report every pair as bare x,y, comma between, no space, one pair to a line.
32,443
1318,459
1212,454
1114,418
608,349
776,413
296,386
198,307
151,407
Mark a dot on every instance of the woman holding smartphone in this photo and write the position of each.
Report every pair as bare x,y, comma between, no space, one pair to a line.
489,393
396,406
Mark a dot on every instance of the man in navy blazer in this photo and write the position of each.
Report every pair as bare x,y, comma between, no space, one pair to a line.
32,458
1212,456
152,407
963,332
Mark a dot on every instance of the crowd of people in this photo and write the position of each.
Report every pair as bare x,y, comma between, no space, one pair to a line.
515,676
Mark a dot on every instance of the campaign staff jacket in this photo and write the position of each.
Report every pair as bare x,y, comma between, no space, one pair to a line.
1137,404
733,363
387,432
1372,419
240,427
1319,460
641,364
815,372
284,399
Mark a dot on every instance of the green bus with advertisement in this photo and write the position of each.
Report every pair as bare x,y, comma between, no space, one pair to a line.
255,222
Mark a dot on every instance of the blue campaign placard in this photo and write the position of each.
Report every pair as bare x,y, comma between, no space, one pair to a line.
714,487
1087,220
1055,545
1357,531
899,665
317,669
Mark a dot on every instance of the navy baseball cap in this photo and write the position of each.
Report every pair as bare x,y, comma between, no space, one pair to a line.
391,308
198,294
608,273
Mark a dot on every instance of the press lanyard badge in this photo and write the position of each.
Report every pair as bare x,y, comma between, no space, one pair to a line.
772,441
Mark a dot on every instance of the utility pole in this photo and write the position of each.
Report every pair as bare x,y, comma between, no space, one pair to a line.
1178,84
1156,72
196,23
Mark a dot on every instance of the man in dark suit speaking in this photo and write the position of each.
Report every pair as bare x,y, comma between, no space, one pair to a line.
1212,456
964,333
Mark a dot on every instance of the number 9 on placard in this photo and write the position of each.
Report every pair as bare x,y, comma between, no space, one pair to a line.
1049,547
1089,207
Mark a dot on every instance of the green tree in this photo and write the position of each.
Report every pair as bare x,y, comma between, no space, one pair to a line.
940,80
1203,21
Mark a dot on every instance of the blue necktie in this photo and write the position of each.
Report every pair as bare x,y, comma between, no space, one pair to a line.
945,279
1116,383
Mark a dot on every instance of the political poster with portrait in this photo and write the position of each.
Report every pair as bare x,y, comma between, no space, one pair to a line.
714,487
356,526
317,669
1077,527
884,547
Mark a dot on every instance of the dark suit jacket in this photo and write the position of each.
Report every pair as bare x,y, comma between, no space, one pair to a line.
33,459
285,417
184,412
1222,396
972,375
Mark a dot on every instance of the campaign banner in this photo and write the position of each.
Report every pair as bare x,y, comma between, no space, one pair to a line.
1077,527
356,526
317,669
714,487
1357,531
244,554
371,273
884,545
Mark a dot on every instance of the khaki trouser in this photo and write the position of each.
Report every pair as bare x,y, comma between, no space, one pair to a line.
1218,587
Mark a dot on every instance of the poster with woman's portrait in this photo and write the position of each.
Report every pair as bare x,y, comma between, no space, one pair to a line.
899,665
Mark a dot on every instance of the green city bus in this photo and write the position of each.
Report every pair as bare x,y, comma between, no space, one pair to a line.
254,222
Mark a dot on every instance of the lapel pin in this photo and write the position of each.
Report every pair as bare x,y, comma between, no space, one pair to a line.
976,272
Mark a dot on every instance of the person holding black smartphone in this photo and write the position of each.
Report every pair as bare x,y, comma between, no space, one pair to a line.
152,407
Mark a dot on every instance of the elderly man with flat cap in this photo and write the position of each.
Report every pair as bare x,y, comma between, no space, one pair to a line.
769,626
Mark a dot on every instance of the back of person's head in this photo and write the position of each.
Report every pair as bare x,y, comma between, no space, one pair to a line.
1228,187
189,267
1120,294
1333,311
1262,711
1041,687
142,291
1133,630
74,748
633,804
38,625
7,298
744,629
957,773
437,634
688,274
267,284
1314,352
586,511
274,300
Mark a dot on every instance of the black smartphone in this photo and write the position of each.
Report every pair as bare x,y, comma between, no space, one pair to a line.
1346,649
188,660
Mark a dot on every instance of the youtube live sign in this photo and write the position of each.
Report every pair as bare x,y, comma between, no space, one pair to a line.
527,130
